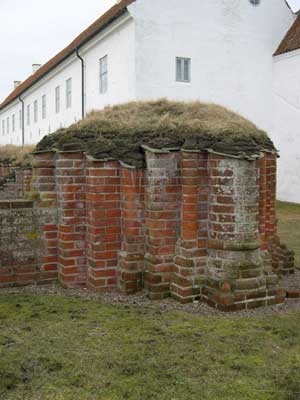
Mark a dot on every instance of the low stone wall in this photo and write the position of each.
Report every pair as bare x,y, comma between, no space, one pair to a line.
192,225
26,254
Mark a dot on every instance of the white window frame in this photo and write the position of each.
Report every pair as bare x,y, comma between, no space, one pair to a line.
57,99
44,106
35,111
103,74
181,74
69,93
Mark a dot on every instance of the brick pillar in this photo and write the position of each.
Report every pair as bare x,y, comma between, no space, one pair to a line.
271,168
27,179
43,191
191,249
6,170
162,202
236,278
19,178
43,185
70,181
131,257
263,203
103,223
282,259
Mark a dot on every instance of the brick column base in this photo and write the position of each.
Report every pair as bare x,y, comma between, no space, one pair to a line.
236,277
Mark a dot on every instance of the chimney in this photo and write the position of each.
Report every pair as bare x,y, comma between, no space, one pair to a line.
35,67
16,84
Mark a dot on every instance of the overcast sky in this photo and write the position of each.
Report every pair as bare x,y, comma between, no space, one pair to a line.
32,31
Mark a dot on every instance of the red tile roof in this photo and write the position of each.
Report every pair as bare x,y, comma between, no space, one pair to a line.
113,13
291,41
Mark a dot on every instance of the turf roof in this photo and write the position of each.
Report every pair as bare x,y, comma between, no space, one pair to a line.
119,132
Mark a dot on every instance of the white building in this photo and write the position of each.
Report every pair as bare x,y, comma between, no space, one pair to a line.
218,51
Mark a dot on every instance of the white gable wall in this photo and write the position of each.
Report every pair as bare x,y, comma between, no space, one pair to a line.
286,120
230,43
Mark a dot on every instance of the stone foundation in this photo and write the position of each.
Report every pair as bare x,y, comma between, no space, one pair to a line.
192,225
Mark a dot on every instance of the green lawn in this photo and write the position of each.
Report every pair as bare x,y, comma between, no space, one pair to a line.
288,215
66,348
57,348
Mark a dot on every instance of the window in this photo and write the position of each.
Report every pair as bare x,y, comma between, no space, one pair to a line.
103,75
28,114
7,125
20,119
44,105
3,127
57,99
255,2
69,93
183,69
13,123
35,110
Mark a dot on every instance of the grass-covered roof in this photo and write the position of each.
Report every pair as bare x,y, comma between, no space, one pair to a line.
16,155
119,132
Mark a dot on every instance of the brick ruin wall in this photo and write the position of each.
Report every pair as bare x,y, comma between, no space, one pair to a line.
14,181
26,253
193,225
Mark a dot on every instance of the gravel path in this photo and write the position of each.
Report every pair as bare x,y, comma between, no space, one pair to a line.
140,299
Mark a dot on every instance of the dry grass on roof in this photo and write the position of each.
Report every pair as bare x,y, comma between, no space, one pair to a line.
16,155
119,132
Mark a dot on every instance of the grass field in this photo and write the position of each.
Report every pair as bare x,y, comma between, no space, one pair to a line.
61,348
288,215
58,348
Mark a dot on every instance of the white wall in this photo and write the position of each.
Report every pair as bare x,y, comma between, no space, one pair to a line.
230,43
120,50
36,130
11,137
286,120
117,42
